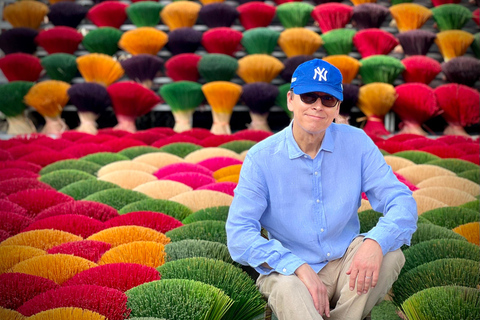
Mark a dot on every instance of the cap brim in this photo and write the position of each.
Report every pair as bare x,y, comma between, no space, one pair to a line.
319,88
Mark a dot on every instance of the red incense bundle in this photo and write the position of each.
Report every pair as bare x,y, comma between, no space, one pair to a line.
374,41
21,67
108,14
255,14
331,16
222,40
130,100
59,39
421,69
183,67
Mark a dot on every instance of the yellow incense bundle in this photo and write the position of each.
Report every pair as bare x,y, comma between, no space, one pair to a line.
99,68
299,41
222,96
27,14
409,16
180,14
144,40
347,65
259,68
453,43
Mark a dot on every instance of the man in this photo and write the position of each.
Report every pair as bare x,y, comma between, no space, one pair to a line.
304,185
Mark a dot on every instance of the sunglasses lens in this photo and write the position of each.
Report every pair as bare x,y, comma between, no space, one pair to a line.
327,100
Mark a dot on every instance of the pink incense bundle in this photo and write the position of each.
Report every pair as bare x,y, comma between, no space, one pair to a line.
57,144
75,224
110,303
21,67
59,39
222,40
148,219
130,100
415,104
147,137
460,107
331,16
225,187
192,179
421,69
24,149
24,165
44,158
217,163
5,155
217,139
374,41
183,66
120,144
93,210
419,143
437,3
176,138
390,146
18,184
181,167
14,173
108,14
87,249
13,223
445,152
252,135
120,276
199,133
79,150
36,200
255,14
12,207
18,288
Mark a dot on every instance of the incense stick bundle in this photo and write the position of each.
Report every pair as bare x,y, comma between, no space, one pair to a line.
144,13
416,42
91,99
49,98
370,42
462,70
68,14
259,98
21,67
99,68
108,14
183,67
350,99
143,40
451,16
299,41
338,41
180,14
21,40
255,14
331,16
260,40
294,14
421,69
28,14
218,14
13,107
222,40
369,15
380,68
130,100
142,68
102,40
347,65
222,96
290,64
259,68
184,40
60,66
409,16
217,67
182,97
453,43
59,39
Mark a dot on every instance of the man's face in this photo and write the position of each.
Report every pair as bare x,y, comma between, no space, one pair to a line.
312,118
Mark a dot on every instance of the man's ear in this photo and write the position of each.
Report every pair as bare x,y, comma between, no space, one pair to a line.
290,100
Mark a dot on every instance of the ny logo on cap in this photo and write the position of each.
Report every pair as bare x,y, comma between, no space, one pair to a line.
322,74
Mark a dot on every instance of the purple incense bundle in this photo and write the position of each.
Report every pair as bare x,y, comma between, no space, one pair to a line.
142,68
184,40
259,98
462,70
291,64
67,13
369,15
218,14
18,40
416,42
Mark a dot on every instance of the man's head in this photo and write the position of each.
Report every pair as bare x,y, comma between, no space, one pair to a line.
317,76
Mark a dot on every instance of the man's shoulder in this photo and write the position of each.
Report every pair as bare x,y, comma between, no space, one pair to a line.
268,145
342,131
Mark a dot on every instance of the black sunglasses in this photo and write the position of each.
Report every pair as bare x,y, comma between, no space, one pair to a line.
311,97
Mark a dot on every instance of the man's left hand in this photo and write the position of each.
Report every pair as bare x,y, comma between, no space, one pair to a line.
365,266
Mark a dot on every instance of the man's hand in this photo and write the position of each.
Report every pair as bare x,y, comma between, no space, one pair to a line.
365,266
316,288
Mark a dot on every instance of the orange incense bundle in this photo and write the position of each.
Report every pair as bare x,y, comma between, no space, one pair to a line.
183,66
347,65
49,98
409,16
299,41
331,16
255,14
180,14
222,96
415,104
28,14
421,69
146,40
21,67
460,107
374,41
130,100
99,68
222,40
375,100
108,14
453,43
59,39
259,68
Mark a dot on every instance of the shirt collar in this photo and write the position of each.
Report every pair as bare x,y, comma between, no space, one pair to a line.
294,150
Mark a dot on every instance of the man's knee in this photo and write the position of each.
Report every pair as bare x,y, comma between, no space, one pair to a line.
288,285
393,262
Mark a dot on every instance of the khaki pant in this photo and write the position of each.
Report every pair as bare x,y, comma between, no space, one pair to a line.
289,298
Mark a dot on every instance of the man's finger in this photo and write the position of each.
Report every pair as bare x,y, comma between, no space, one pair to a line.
327,306
353,277
374,279
360,282
368,281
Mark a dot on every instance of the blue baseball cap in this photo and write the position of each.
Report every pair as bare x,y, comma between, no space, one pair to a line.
317,76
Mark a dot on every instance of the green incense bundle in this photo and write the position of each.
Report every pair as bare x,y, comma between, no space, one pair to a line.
198,248
281,100
451,16
260,40
217,67
60,66
294,14
380,68
182,97
13,107
181,149
76,164
102,40
59,179
338,41
144,13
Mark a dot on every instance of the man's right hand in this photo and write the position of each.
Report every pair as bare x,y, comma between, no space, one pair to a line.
315,286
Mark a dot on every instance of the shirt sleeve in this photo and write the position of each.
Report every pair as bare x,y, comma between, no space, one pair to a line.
244,240
391,197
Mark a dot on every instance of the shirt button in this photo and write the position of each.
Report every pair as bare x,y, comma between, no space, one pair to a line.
284,270
318,201
316,172
321,230
305,156
328,254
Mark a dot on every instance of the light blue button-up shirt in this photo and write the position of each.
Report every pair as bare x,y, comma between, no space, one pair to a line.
309,206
